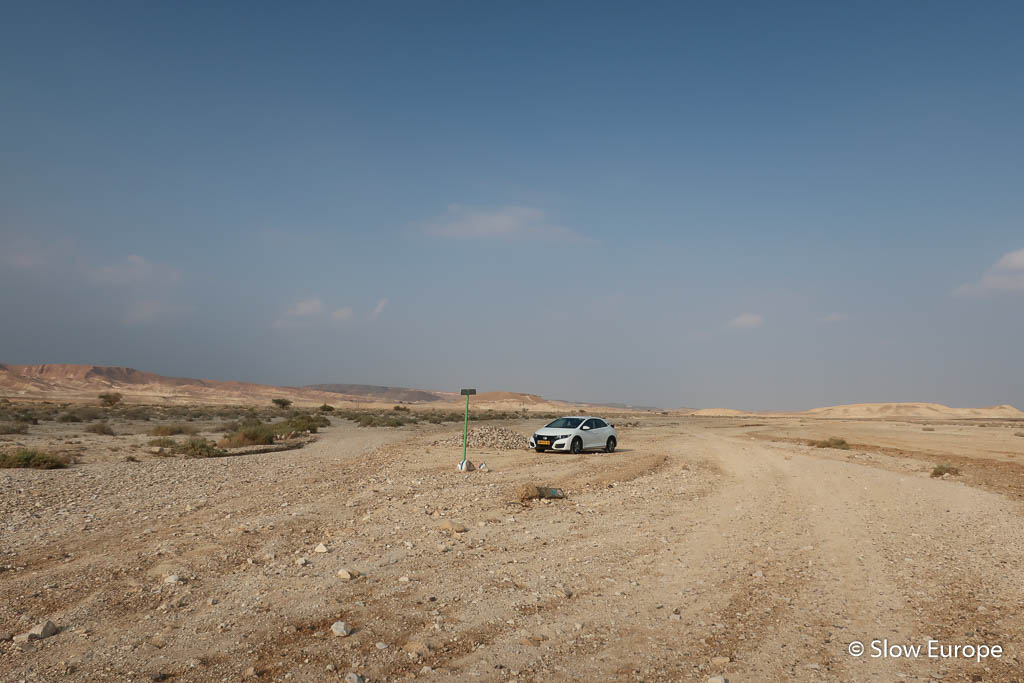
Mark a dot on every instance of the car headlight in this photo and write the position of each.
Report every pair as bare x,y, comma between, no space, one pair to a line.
562,436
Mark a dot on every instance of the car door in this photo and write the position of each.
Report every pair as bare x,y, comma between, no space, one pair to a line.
600,432
590,436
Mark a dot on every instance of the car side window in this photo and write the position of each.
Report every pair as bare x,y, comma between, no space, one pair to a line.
592,423
600,424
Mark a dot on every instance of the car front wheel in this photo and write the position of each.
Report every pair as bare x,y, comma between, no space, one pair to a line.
577,445
610,446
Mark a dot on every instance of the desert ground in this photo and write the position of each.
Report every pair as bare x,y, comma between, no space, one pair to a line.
705,547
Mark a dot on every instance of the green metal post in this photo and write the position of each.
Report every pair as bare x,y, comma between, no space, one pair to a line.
465,430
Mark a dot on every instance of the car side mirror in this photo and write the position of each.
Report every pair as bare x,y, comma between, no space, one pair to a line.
586,427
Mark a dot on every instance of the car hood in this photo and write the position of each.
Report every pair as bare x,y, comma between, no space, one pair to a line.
554,431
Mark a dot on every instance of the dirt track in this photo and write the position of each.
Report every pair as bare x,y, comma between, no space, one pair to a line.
696,541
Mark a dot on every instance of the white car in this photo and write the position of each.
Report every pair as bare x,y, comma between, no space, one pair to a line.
576,434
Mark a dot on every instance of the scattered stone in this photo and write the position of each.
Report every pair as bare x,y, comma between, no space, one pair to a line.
348,574
320,548
381,645
251,672
340,628
449,525
466,466
173,578
720,661
563,592
353,678
302,562
415,647
403,579
331,667
488,436
718,679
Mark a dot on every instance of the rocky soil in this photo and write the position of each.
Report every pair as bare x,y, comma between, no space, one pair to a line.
699,551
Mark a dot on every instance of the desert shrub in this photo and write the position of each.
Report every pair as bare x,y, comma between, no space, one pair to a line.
281,402
227,427
87,413
130,458
302,423
831,442
401,409
325,408
197,447
33,459
1018,433
13,428
69,417
27,418
940,470
100,428
928,429
173,429
140,413
163,442
249,435
110,398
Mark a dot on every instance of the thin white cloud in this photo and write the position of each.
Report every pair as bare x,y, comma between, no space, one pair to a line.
135,270
835,318
379,308
506,222
305,307
342,313
148,311
747,321
1006,275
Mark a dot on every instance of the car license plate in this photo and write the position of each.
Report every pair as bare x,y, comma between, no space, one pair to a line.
543,442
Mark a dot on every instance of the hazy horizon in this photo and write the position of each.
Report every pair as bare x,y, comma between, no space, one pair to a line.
751,207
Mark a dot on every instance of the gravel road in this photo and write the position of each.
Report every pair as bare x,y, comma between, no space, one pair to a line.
695,551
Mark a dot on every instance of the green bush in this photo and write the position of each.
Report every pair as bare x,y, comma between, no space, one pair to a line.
100,428
163,442
173,430
831,442
281,402
33,459
13,428
110,398
197,447
940,470
250,435
326,408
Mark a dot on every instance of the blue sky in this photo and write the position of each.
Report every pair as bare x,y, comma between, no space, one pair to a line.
742,205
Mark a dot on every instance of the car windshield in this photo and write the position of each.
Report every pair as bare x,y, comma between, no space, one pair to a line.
566,423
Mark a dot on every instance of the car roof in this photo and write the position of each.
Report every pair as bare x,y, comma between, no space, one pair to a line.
581,417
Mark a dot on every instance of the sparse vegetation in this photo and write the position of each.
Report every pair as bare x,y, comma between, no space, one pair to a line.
831,442
197,447
402,409
32,459
281,402
257,434
173,430
68,417
325,408
110,398
13,428
928,429
163,442
1018,434
940,470
100,428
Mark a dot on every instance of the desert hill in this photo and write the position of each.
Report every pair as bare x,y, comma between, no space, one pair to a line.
84,382
394,394
915,410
